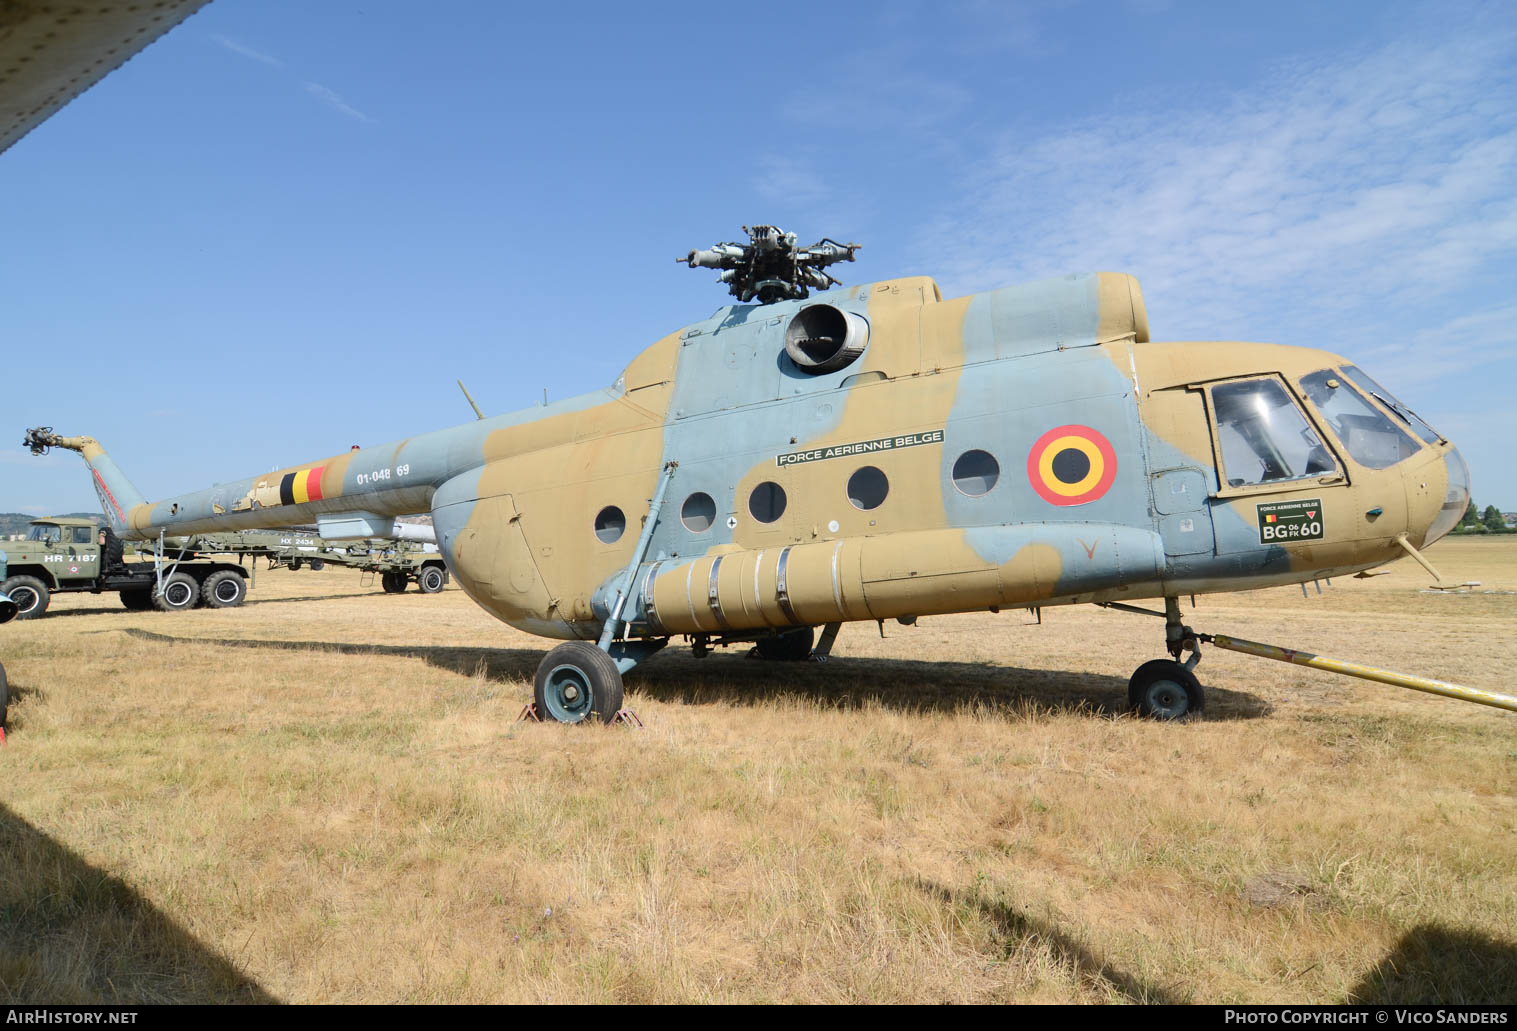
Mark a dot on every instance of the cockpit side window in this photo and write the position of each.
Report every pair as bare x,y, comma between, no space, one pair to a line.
1373,440
1264,437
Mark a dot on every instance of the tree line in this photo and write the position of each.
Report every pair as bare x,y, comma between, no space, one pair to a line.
1489,521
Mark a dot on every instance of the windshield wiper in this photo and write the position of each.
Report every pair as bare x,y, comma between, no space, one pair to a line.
1406,415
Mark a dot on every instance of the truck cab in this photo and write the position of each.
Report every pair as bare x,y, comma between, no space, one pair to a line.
61,551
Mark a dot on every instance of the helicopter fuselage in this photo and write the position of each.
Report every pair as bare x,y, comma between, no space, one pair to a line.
1023,447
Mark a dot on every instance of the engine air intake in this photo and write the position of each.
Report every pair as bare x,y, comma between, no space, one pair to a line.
823,338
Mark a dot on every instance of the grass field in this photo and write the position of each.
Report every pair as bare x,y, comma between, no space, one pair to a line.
324,796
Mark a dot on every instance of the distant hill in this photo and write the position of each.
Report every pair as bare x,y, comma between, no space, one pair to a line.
17,522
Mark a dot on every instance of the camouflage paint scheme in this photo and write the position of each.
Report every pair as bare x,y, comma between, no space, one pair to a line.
514,497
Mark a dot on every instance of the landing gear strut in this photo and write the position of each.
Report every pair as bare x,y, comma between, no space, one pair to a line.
1166,689
581,681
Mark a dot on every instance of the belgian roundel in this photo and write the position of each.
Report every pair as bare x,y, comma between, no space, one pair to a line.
1071,465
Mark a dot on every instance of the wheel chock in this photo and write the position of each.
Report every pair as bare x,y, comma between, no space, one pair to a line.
529,714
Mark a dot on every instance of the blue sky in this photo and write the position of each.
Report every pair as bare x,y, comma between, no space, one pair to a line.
288,227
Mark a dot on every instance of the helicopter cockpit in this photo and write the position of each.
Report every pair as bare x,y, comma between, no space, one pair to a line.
1308,422
1347,399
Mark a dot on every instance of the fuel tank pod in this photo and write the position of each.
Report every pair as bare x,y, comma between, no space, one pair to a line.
906,574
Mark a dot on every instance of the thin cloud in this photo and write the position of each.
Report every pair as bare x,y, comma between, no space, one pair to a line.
26,458
1328,206
328,97
249,52
335,102
1457,345
874,90
782,179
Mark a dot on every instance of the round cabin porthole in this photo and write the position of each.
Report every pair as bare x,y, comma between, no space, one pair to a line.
698,512
867,488
976,472
610,524
767,502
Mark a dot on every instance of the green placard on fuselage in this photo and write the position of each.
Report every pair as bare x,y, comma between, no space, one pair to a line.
1287,522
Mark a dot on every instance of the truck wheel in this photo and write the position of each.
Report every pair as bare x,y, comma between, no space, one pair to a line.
223,590
30,595
430,580
5,696
138,599
180,593
295,564
393,583
317,565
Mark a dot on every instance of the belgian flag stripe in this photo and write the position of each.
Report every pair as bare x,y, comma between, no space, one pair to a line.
299,487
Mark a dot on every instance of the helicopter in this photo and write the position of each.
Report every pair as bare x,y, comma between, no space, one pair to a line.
878,452
793,463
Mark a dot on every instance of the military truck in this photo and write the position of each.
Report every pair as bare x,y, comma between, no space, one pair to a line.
398,563
62,554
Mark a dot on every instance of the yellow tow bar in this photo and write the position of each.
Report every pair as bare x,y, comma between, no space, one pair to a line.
1353,669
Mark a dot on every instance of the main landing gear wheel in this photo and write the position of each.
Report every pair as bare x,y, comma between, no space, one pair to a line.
1165,690
393,583
577,682
430,580
790,646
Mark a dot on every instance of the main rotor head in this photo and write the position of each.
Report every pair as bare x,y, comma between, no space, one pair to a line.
771,266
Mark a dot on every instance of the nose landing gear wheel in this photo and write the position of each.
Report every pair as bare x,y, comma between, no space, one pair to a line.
1165,690
577,682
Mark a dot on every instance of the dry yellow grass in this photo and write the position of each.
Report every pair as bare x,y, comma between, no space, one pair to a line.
323,796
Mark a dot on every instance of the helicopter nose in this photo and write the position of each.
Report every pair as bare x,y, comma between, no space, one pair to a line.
1455,500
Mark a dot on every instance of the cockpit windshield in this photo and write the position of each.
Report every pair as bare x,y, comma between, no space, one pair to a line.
45,532
1263,435
1373,440
1402,412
